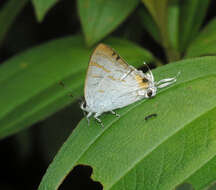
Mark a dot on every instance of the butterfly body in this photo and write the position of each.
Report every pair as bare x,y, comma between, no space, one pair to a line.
111,83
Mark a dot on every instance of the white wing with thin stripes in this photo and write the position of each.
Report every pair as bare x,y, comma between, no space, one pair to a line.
111,83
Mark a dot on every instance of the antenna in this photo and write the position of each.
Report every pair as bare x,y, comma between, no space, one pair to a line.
70,94
166,82
149,72
63,85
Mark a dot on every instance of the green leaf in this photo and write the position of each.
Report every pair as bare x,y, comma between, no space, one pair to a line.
204,44
148,23
161,14
173,30
100,17
31,80
173,23
157,154
192,14
173,19
158,10
212,186
209,173
8,14
42,7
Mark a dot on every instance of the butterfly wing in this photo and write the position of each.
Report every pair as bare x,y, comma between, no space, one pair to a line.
111,83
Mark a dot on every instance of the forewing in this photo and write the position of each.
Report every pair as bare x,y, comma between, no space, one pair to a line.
111,83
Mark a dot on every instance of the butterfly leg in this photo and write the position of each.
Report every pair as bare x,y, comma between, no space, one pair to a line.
88,116
84,113
114,113
98,120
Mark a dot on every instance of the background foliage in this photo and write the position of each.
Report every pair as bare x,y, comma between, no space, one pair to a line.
45,42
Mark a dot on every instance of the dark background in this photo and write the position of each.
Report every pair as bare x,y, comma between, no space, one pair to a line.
24,157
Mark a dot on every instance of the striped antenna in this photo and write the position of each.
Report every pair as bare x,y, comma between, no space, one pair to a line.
63,85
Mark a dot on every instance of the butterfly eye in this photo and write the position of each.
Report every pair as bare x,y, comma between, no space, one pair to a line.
149,93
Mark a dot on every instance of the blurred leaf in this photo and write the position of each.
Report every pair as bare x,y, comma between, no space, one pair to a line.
42,7
205,43
30,81
192,14
161,13
149,24
173,30
173,23
100,17
8,14
158,10
158,154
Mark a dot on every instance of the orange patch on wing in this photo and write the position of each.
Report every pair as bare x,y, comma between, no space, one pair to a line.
111,77
142,84
102,91
107,51
97,76
120,61
99,66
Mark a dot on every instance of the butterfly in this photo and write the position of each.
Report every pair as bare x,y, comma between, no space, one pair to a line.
111,83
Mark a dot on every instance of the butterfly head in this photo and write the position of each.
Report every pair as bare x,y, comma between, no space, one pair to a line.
153,86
